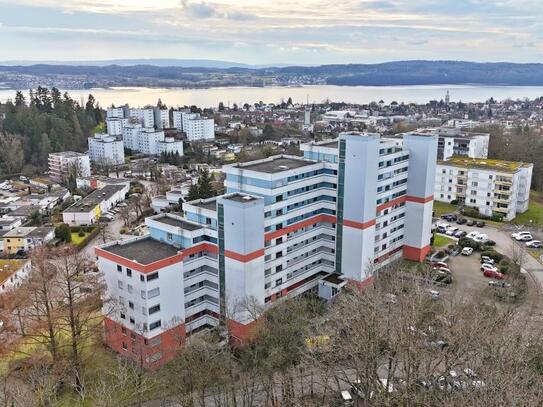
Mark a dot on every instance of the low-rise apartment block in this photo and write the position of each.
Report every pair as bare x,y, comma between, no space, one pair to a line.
150,141
106,150
88,210
196,127
24,239
13,273
66,163
491,186
286,226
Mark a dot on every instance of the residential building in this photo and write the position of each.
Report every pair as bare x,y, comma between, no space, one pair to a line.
286,226
161,118
146,117
150,141
106,150
13,273
88,210
6,224
62,164
455,141
196,127
114,126
24,239
491,186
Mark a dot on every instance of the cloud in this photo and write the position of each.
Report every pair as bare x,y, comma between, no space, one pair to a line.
240,16
198,10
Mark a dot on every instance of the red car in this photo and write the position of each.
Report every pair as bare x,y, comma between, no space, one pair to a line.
493,274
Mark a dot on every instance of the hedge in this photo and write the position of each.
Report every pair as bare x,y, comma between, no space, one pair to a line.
91,230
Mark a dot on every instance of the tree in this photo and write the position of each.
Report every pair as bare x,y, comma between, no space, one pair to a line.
194,193
63,232
11,154
205,189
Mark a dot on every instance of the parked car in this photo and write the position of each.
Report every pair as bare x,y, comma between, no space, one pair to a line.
534,244
451,217
493,274
487,260
473,234
490,243
499,284
442,227
461,221
443,269
480,224
467,251
451,231
524,238
516,235
471,222
437,264
481,238
460,234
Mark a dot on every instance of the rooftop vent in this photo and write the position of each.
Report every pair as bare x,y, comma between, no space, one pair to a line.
283,167
247,198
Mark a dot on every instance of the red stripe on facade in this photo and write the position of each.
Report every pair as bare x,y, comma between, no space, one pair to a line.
361,285
358,225
149,268
391,203
415,253
387,255
244,258
292,228
240,333
417,199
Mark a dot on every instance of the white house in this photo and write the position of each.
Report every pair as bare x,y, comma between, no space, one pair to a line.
106,149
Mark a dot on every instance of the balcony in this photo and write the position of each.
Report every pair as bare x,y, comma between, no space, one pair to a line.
503,182
498,209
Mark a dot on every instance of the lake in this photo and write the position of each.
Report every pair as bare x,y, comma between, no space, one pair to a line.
315,93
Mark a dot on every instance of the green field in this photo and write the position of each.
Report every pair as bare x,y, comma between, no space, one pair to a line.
77,240
534,212
441,241
441,208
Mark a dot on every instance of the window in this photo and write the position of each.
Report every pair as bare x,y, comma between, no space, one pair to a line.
130,288
154,309
157,340
130,305
279,281
129,272
119,268
278,255
132,320
278,268
153,293
125,346
120,284
155,357
169,236
155,325
123,330
152,277
142,278
123,316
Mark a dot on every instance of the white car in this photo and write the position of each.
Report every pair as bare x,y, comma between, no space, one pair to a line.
451,231
473,234
466,251
519,234
524,238
481,238
534,244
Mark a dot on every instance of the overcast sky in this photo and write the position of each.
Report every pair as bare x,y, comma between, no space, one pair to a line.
273,31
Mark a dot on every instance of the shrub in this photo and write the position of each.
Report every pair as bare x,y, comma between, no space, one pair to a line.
497,217
467,242
123,230
454,202
493,254
81,232
63,233
504,269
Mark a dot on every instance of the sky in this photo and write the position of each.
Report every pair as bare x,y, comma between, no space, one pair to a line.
303,32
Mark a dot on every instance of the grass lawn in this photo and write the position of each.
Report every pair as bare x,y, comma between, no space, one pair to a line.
534,212
76,239
441,241
441,208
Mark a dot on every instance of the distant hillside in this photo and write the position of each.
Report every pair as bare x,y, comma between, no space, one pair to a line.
162,73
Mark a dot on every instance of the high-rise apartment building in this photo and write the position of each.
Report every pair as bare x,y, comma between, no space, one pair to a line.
286,226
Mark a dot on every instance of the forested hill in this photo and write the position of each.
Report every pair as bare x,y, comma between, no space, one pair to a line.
383,74
47,122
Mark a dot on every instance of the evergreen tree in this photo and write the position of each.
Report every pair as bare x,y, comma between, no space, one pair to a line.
205,189
193,193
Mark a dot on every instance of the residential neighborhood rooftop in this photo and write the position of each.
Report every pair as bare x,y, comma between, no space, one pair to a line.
143,251
207,204
29,231
485,163
94,198
8,267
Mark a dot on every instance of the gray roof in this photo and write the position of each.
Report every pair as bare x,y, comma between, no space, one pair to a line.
330,144
144,251
210,205
180,223
278,164
238,197
94,198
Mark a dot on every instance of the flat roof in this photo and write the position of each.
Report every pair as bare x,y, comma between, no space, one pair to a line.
329,144
8,267
180,223
94,198
276,165
29,231
485,163
68,154
210,205
238,197
143,251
